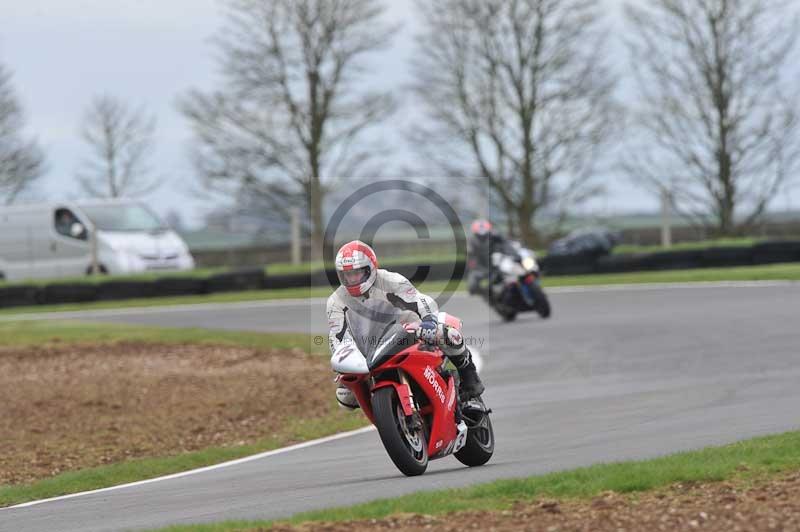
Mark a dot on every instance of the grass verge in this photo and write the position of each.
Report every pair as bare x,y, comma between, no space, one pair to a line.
222,297
141,469
20,334
747,460
37,332
198,273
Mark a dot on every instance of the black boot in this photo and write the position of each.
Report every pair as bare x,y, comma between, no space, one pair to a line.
471,385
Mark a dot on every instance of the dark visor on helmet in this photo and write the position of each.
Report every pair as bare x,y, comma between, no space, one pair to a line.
354,277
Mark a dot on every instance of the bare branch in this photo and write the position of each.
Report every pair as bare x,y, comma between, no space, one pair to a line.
290,115
22,161
120,142
712,114
520,89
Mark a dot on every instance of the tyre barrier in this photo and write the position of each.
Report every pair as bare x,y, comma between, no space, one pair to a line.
672,260
57,293
620,263
236,281
19,295
255,278
180,286
301,280
774,252
116,290
569,264
727,256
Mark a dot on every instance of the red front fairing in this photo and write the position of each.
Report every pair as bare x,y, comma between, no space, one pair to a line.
422,368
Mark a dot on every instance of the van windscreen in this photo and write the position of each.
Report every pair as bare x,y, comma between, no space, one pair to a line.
123,218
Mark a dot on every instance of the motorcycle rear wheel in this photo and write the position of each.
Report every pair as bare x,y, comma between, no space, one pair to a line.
408,449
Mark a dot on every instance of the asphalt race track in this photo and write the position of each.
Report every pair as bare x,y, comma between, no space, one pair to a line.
615,374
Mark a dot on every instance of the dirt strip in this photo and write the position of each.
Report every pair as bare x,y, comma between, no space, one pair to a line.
772,505
70,407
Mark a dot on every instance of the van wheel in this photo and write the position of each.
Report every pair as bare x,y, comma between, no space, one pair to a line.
103,270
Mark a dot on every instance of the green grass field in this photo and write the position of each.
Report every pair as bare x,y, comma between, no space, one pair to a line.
199,273
747,461
22,333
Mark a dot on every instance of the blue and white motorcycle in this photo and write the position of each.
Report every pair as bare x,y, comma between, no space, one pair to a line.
516,284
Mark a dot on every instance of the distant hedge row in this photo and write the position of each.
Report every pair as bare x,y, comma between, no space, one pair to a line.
256,279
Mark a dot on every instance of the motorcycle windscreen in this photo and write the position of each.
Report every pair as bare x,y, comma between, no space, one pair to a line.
389,345
376,327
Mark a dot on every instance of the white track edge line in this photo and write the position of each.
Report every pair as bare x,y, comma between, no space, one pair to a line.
237,461
476,357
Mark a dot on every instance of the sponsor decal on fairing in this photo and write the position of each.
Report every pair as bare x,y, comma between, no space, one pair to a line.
430,375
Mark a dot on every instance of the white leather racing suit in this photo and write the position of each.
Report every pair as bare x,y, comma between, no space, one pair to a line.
389,286
399,292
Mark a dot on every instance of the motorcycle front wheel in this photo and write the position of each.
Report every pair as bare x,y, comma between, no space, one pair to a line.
506,312
480,441
406,446
542,303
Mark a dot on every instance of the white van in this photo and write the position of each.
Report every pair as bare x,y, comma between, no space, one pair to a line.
54,240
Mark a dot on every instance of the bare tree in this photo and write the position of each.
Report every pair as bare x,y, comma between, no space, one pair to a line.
21,160
120,140
716,127
292,114
518,95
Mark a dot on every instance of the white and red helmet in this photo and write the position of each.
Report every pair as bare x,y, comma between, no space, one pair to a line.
357,267
481,227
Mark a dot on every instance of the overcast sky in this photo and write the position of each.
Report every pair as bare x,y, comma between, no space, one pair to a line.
148,52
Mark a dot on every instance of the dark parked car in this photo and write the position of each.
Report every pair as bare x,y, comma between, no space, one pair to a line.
587,241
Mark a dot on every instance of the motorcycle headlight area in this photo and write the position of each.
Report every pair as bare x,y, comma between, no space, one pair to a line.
528,263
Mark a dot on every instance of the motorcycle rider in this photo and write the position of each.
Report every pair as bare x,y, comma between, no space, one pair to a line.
482,244
361,279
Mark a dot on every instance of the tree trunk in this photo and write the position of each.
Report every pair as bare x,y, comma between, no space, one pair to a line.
527,233
725,224
315,197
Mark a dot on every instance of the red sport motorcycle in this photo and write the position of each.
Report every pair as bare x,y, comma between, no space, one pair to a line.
404,388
